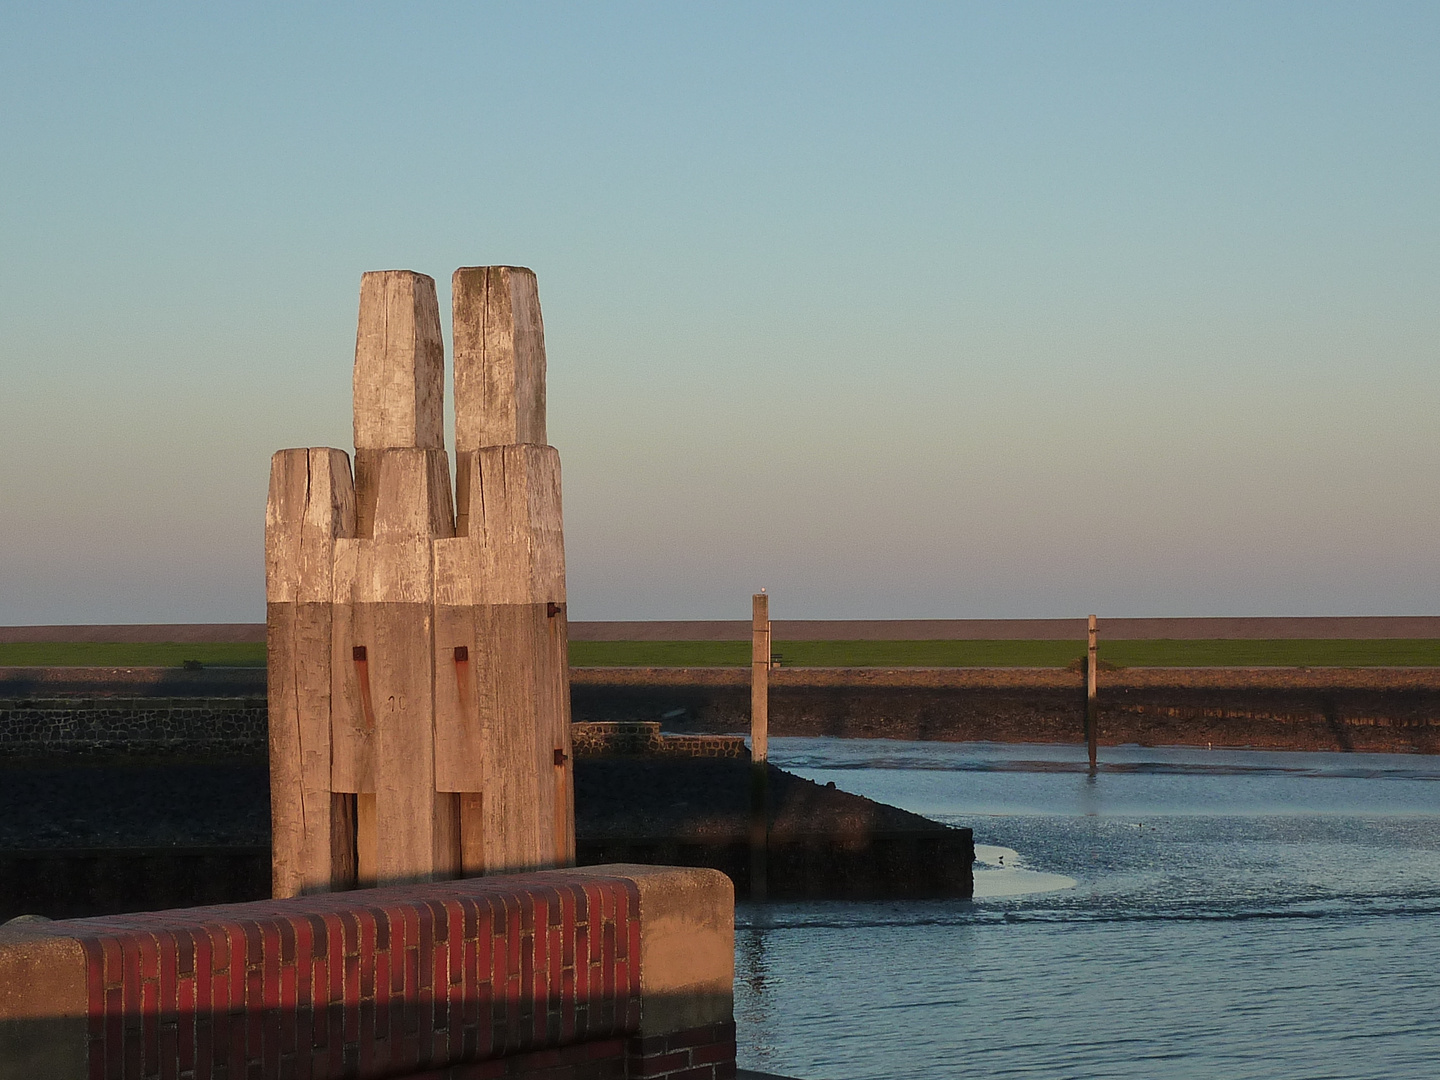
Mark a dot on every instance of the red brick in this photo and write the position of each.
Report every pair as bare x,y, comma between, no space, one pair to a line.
185,1027
220,1036
204,1047
660,1064
95,988
695,1036
286,928
713,1054
649,1046
366,938
279,985
113,962
318,979
150,1025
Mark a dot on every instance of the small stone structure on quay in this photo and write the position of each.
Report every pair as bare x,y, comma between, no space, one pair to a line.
419,739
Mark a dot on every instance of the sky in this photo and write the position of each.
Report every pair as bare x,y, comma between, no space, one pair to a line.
896,310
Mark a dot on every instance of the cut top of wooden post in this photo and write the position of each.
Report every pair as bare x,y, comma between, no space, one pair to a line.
499,357
760,609
399,363
311,504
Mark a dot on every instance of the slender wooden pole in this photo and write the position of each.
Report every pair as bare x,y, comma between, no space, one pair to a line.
1092,715
759,746
760,680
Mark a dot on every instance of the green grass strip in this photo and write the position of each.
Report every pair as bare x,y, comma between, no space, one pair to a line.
1290,652
1164,653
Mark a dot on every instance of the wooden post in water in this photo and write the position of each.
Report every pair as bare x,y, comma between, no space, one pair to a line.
1092,713
759,745
760,679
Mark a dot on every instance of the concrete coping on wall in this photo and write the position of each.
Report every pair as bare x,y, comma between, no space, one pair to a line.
631,961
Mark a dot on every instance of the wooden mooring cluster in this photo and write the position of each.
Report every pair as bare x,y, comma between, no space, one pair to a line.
418,693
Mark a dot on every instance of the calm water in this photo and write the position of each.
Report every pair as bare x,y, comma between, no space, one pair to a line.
1184,913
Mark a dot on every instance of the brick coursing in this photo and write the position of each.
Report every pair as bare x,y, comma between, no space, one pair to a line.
703,1053
504,978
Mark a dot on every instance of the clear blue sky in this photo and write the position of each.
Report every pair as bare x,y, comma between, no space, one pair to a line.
898,310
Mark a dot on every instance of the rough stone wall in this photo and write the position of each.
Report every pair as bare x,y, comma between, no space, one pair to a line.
1392,710
623,710
236,727
142,726
630,738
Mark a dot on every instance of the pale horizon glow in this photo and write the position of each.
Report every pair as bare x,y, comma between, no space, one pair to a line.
901,311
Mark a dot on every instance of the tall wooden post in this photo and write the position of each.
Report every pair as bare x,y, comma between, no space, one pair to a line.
418,676
759,746
311,504
500,586
1092,712
760,678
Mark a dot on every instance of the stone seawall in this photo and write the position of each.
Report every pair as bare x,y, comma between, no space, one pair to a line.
1375,709
630,737
1370,709
193,727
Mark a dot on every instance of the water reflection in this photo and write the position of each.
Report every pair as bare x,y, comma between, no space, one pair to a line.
754,999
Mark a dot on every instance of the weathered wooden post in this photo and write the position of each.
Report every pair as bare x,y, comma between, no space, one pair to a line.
419,694
760,678
503,725
759,745
1092,712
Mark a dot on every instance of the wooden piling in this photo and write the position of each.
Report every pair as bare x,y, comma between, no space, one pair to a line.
500,583
759,745
311,506
760,678
1092,712
418,657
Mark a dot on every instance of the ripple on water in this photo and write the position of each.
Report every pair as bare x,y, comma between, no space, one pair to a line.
1270,917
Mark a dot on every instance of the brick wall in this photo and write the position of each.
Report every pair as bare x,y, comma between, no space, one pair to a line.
527,976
